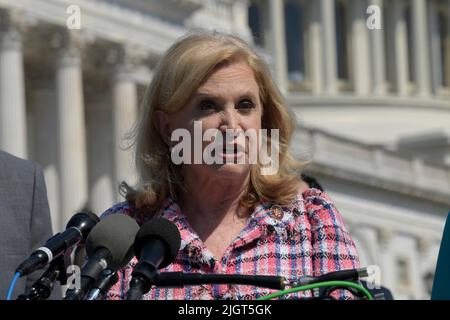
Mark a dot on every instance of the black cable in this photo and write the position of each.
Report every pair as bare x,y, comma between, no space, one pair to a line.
43,287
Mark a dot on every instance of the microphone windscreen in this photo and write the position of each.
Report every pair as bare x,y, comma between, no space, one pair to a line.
166,231
115,233
83,221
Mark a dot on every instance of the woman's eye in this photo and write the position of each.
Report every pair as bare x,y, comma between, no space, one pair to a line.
246,104
207,104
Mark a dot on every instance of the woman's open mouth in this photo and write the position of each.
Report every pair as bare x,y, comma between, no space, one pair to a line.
232,152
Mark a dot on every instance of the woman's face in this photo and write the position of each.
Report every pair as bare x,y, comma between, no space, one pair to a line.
228,102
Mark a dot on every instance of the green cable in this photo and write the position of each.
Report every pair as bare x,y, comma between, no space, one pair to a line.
319,285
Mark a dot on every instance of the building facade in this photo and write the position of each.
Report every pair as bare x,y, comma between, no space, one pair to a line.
368,79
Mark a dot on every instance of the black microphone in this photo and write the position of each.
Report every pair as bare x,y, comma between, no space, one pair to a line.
107,279
156,246
109,246
76,232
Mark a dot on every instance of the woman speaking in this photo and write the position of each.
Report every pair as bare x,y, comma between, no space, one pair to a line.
212,154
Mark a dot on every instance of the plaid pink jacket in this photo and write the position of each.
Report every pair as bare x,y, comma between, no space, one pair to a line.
307,237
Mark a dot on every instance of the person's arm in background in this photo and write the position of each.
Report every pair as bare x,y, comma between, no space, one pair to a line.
41,225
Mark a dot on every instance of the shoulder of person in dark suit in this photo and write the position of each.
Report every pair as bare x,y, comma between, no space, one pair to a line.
25,218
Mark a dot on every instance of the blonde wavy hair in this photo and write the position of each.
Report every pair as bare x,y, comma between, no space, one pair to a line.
182,70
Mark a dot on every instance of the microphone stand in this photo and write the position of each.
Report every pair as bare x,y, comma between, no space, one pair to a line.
180,279
42,288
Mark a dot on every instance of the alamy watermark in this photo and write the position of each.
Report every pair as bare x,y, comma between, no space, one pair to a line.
73,21
73,277
373,277
373,22
237,147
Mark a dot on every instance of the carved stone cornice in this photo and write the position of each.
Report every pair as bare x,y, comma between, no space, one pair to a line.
11,28
125,58
173,10
384,237
423,245
352,161
68,44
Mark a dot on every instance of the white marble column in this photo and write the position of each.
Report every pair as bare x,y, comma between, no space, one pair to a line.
239,12
378,54
424,251
416,272
13,133
360,47
447,57
329,48
420,47
400,44
435,48
278,43
46,144
314,62
101,150
125,107
386,259
71,128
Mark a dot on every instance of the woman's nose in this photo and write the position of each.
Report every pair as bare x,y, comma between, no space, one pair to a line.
229,120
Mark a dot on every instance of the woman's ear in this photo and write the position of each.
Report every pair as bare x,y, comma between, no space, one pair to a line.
162,124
